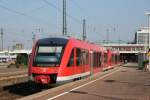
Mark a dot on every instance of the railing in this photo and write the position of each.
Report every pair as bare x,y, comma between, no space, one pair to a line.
127,48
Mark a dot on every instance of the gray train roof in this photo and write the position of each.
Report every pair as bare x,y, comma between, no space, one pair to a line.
58,40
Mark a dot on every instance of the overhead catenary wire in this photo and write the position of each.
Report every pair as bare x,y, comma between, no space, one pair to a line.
85,16
22,14
75,4
19,13
11,10
31,11
60,11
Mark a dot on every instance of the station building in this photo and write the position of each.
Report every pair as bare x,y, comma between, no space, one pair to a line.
141,36
130,52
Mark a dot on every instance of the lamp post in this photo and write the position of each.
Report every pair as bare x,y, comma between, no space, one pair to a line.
148,14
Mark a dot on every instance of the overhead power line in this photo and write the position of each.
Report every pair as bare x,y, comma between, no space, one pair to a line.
52,5
11,10
60,11
21,14
75,4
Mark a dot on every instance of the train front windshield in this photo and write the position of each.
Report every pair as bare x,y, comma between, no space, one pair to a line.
48,56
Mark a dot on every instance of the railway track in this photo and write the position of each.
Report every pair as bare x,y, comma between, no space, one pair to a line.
17,86
23,89
12,76
9,80
14,84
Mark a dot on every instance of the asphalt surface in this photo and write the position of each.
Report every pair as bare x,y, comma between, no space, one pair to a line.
122,83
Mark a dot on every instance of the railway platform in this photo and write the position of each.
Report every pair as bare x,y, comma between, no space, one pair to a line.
12,71
9,76
121,83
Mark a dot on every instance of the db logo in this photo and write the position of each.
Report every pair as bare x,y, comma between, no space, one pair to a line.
44,70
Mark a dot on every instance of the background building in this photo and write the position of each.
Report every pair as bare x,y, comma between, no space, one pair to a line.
141,36
18,46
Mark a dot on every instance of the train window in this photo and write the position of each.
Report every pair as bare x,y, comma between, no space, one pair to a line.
48,55
105,57
118,58
71,59
87,57
100,59
112,58
115,58
78,57
84,57
95,59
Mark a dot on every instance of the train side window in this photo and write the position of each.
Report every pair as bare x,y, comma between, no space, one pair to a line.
115,58
118,58
95,59
71,59
105,57
112,58
100,59
84,57
87,57
78,57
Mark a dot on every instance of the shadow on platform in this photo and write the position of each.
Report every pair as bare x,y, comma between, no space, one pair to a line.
131,65
131,84
25,89
101,97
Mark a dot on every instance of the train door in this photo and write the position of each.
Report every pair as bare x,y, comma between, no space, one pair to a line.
91,62
83,60
109,57
71,63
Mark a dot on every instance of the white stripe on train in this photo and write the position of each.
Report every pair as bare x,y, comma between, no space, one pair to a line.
66,78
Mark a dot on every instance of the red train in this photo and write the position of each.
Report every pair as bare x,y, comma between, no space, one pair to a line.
58,59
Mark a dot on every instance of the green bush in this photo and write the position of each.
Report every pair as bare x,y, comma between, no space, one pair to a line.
145,62
22,59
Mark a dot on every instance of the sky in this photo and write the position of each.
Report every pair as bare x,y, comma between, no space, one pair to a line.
21,19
